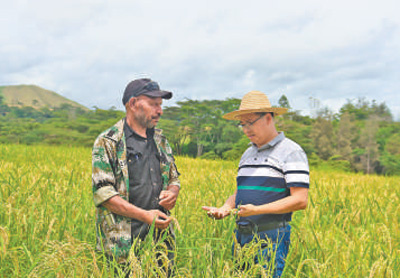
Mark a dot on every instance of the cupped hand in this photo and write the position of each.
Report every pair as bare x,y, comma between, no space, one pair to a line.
217,213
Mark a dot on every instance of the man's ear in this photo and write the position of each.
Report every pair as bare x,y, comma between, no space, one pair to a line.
269,117
132,102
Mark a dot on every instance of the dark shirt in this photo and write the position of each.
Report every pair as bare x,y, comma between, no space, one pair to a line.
145,183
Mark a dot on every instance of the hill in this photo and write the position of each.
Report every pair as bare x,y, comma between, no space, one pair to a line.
34,96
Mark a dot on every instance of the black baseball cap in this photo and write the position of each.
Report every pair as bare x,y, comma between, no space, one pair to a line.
144,86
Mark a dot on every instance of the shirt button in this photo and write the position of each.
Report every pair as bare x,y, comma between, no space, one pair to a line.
129,160
151,169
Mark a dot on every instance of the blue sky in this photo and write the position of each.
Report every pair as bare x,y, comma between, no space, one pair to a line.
308,50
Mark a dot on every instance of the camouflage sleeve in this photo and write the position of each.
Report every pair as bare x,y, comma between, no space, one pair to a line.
174,175
173,170
103,179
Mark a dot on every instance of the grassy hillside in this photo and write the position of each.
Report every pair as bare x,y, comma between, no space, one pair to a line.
37,97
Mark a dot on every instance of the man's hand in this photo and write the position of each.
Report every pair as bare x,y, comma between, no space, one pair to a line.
168,198
217,213
162,220
247,210
119,206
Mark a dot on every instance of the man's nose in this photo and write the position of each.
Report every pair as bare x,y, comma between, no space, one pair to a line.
246,131
159,110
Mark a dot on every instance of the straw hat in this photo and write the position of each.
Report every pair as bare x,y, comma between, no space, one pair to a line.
254,102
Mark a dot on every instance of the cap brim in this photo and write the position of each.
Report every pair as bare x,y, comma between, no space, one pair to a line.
161,94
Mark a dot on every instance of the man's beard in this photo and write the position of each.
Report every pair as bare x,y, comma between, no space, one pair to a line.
144,121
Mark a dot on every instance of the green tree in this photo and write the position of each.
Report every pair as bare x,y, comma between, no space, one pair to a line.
390,159
322,134
381,111
204,121
367,153
393,144
345,136
284,102
362,109
177,134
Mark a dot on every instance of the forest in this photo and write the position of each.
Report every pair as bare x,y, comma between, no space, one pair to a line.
361,137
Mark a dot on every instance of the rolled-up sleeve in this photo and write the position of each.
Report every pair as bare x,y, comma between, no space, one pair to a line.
103,194
103,179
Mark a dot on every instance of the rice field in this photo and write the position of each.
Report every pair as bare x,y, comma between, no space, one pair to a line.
350,228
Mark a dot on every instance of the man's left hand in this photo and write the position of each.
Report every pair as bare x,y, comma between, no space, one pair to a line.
247,210
168,198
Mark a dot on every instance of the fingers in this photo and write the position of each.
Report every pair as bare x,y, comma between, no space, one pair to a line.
162,223
168,199
161,220
208,208
220,213
241,210
214,212
162,215
245,210
168,203
163,194
167,194
167,206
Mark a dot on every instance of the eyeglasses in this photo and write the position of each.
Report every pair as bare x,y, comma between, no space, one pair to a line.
249,124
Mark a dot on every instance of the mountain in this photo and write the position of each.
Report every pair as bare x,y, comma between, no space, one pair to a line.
34,96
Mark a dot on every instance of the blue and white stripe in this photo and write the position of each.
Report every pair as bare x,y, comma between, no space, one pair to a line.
266,174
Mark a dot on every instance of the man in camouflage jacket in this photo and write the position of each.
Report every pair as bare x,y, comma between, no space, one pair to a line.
111,179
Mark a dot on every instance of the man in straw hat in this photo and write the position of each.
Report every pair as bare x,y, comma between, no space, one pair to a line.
272,182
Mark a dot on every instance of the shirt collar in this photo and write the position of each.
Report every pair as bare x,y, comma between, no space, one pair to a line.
272,143
130,132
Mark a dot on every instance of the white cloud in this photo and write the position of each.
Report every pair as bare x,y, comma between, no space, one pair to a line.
89,50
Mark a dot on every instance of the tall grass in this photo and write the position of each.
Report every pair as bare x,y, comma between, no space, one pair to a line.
350,228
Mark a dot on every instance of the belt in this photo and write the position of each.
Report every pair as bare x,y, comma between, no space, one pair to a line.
251,228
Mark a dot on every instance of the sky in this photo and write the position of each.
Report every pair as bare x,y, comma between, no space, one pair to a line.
317,53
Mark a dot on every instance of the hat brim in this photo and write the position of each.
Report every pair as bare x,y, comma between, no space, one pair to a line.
234,116
155,94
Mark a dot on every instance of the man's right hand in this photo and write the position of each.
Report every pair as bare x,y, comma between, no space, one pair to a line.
217,213
162,220
119,206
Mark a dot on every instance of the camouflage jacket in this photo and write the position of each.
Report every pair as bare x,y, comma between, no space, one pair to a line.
110,178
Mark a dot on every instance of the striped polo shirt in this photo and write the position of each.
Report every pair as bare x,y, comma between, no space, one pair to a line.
266,174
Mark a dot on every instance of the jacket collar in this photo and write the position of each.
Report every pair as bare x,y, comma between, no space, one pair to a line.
116,132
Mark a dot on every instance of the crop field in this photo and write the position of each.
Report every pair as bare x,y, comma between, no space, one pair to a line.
349,229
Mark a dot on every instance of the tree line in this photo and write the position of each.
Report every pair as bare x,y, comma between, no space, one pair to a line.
361,137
